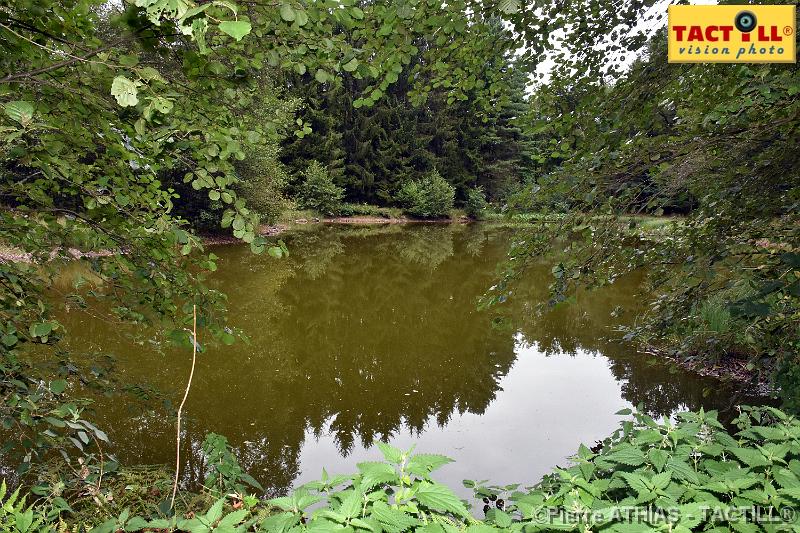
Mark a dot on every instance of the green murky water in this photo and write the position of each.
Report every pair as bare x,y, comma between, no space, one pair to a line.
373,333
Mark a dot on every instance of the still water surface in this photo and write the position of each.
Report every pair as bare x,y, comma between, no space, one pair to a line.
374,333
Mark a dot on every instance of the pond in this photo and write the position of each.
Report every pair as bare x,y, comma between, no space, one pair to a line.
368,333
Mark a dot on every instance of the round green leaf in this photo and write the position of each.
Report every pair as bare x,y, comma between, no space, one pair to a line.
124,90
321,76
235,28
287,13
58,386
351,65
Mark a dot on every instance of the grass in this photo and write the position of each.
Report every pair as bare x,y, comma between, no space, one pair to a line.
142,489
367,210
496,216
289,216
643,225
715,315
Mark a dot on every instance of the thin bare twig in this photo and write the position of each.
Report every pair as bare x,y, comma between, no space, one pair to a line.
180,408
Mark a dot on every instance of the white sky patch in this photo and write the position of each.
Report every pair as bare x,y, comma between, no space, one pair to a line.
652,20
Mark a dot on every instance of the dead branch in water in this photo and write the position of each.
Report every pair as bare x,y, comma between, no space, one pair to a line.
180,408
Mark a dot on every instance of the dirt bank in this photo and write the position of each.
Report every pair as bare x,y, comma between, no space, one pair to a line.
400,220
725,369
13,255
264,231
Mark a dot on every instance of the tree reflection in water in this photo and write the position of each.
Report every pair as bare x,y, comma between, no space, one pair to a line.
368,333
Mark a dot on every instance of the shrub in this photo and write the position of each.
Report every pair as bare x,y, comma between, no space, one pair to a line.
262,181
475,206
263,178
428,197
319,192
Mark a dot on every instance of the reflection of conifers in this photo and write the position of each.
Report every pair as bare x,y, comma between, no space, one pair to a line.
390,335
369,332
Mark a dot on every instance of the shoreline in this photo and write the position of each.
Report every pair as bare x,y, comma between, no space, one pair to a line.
393,220
266,230
729,369
272,230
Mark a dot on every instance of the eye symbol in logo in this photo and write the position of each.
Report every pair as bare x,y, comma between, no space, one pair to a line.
745,21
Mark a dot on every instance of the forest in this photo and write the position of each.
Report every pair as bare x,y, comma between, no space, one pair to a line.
241,238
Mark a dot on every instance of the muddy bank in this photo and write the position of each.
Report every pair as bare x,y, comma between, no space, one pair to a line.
394,220
264,231
12,255
728,368
271,231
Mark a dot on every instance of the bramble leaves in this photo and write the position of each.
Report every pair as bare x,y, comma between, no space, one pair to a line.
373,474
390,453
423,464
627,455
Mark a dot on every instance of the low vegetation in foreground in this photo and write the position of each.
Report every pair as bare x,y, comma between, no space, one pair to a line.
681,475
128,128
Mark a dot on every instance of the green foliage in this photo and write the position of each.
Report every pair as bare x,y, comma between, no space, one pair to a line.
657,142
476,205
319,192
691,474
686,474
119,125
262,176
372,151
125,128
215,519
429,197
41,411
223,473
367,210
16,517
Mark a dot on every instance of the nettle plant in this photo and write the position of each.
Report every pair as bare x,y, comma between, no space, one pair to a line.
684,475
690,474
223,472
676,475
391,496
